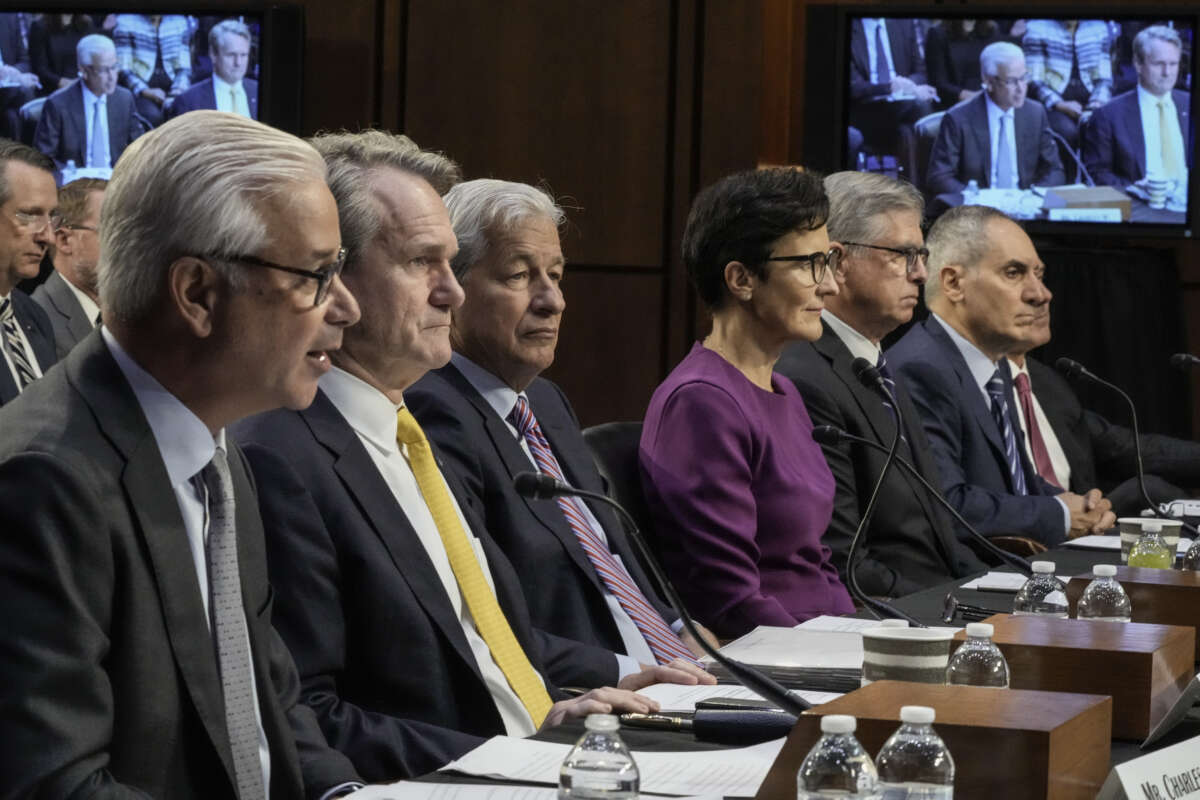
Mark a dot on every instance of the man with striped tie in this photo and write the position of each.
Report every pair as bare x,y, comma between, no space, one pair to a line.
407,623
493,417
27,198
985,293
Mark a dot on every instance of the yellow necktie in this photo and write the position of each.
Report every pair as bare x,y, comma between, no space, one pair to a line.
1170,161
481,601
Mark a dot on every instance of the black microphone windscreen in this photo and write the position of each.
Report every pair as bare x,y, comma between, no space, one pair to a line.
1072,369
866,373
535,484
1184,361
827,434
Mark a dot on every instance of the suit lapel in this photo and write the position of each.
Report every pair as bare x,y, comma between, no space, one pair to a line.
983,138
1131,121
65,302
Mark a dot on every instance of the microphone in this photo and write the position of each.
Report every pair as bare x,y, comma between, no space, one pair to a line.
1184,361
1076,371
869,376
1074,155
829,435
545,487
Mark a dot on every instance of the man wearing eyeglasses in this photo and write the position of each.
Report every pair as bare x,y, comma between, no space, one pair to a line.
139,659
28,195
90,122
1000,138
70,296
913,545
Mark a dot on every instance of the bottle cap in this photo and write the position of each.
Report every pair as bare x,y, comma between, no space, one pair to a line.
1104,570
893,623
1151,527
601,722
920,715
1042,567
838,723
980,629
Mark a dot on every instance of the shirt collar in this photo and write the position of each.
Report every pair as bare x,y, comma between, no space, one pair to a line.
90,309
994,112
368,411
221,86
184,442
982,368
89,96
1014,370
1147,99
498,394
858,345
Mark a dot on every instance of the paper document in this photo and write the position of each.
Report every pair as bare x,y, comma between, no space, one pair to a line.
797,647
415,790
1103,542
837,624
736,772
675,698
997,582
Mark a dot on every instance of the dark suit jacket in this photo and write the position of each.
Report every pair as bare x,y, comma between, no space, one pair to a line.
200,95
108,673
62,130
382,655
906,58
1114,149
963,149
12,46
911,543
36,325
967,446
564,593
66,315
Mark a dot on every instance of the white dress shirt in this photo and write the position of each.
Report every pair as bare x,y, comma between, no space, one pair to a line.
373,418
869,26
994,114
186,447
227,93
90,309
858,345
89,103
33,362
1152,136
1058,457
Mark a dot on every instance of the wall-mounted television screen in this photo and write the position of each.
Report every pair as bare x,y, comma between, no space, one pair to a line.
1065,121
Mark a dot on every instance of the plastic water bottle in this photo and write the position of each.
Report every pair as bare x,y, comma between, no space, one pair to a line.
1191,559
837,766
599,767
1150,550
977,661
914,763
1104,599
1043,594
971,193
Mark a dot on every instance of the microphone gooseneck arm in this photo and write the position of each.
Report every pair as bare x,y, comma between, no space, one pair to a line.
536,485
1074,155
1184,361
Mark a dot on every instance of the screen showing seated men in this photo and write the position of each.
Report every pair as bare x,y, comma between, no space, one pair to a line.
81,86
1066,120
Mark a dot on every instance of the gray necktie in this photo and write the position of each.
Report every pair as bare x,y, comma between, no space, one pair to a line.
1005,175
15,346
98,152
229,628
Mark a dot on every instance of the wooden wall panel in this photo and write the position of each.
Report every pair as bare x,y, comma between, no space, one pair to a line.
342,54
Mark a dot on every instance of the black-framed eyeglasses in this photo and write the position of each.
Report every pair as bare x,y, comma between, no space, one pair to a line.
911,254
819,264
323,275
1011,83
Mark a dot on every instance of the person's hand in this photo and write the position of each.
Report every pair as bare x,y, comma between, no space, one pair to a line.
967,94
903,85
1090,513
926,92
1069,107
693,645
9,73
605,700
157,96
678,671
29,81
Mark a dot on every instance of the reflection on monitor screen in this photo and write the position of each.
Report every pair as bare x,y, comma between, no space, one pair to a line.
1065,120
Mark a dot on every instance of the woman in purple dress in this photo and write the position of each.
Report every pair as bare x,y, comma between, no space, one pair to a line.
740,492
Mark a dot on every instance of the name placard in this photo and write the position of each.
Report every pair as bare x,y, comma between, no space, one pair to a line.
1191,694
1172,773
1084,214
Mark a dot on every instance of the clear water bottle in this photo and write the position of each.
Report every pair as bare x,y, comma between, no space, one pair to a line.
971,193
977,661
1104,599
914,763
599,767
837,766
1043,594
1191,559
1150,550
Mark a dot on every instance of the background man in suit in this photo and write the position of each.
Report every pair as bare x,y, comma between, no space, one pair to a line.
1076,448
228,89
1000,138
493,417
1147,130
407,623
90,122
878,222
27,198
70,296
21,83
986,293
143,661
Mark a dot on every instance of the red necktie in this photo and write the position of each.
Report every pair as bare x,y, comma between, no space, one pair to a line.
1041,456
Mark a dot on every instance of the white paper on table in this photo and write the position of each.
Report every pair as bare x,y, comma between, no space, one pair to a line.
675,698
797,647
997,582
1104,542
736,772
851,625
417,790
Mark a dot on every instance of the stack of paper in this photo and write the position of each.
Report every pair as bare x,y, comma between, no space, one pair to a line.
799,658
675,699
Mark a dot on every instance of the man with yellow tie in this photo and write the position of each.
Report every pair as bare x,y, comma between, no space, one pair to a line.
1148,130
408,625
228,89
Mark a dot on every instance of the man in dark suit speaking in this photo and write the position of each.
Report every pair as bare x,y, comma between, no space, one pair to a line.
138,658
1000,138
1148,130
228,89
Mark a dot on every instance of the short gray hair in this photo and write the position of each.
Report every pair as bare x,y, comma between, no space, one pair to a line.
995,54
1141,42
482,208
351,159
232,27
195,186
958,237
858,200
90,46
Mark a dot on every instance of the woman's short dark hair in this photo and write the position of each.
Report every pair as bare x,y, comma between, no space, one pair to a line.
739,217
